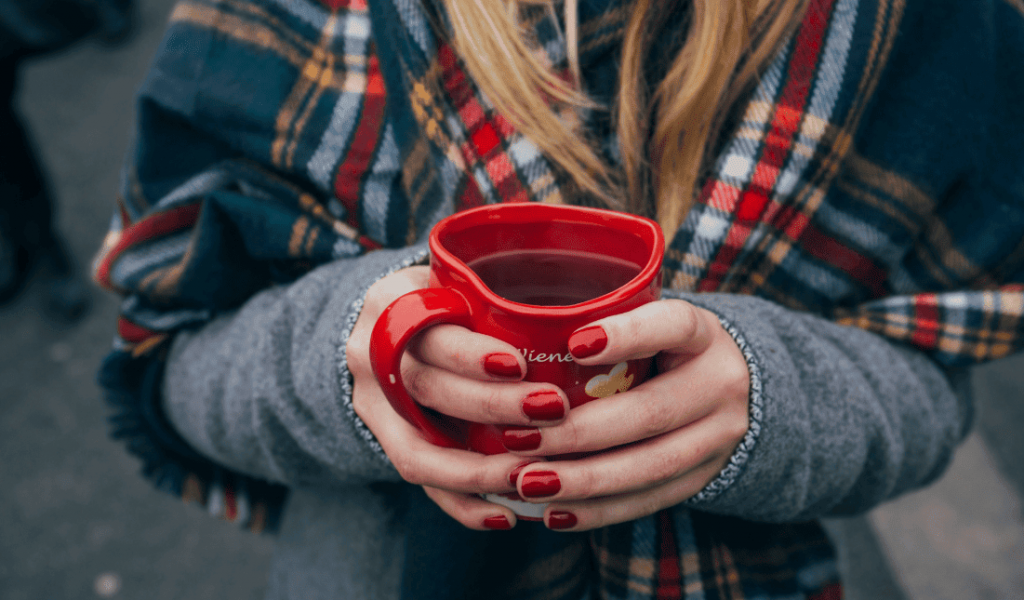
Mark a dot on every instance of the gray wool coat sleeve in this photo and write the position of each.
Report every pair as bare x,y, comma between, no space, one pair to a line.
265,390
841,419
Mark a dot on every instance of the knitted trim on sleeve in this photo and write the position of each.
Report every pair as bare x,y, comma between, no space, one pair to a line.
347,381
739,458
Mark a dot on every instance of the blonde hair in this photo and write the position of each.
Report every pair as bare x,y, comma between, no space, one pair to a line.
665,128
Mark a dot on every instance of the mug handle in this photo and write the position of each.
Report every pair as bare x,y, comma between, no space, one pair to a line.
397,325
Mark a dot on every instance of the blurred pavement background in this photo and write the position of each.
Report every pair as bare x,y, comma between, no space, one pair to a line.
77,522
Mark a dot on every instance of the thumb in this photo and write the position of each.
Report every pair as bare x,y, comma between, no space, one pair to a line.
667,325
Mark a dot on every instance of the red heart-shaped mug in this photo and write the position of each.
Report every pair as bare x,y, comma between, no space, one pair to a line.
530,275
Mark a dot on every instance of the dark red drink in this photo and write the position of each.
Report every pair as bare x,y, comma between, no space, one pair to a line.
553,277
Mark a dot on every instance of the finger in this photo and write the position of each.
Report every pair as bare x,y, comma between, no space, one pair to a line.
683,396
388,289
630,469
472,511
508,403
600,512
422,463
667,325
378,297
469,354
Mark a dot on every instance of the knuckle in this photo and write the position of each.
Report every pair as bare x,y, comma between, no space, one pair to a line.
653,416
687,319
359,366
569,438
736,376
492,406
361,401
586,484
737,396
418,275
387,289
469,480
633,330
649,507
424,343
664,466
408,468
595,517
414,379
478,480
377,298
355,353
736,426
359,407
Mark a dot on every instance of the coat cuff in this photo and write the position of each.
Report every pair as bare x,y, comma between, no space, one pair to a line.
741,456
419,257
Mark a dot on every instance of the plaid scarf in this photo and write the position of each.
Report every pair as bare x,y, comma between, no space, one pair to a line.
365,130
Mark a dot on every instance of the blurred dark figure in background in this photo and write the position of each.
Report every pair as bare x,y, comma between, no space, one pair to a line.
28,238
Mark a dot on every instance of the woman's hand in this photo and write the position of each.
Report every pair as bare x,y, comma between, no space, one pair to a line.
657,444
459,373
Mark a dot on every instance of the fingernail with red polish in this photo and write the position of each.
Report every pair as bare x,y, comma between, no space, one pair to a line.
513,477
498,523
501,364
539,484
588,341
560,519
521,439
544,406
